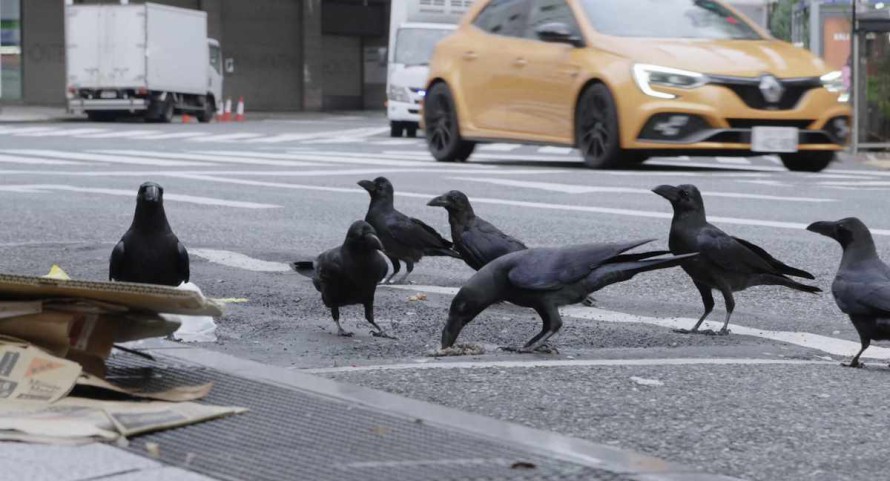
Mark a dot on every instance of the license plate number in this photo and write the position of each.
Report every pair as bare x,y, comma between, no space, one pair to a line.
774,139
108,94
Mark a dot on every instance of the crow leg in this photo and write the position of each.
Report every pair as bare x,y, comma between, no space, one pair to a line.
855,362
410,268
730,306
335,313
589,301
708,300
552,325
369,316
396,267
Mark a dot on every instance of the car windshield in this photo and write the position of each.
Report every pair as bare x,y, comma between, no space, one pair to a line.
414,46
701,19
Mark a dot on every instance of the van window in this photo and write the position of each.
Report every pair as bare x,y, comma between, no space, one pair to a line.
549,11
504,17
705,19
415,46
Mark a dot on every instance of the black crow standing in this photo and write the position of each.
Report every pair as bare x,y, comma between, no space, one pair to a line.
727,264
861,287
149,251
348,274
477,241
546,278
404,238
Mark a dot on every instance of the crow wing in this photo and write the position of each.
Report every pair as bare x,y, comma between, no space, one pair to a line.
552,269
414,233
729,254
117,260
775,263
483,243
182,262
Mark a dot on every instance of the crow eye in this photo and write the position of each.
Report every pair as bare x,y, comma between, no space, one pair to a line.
683,194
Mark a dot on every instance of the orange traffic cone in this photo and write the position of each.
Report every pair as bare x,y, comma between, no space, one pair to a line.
227,113
186,118
219,111
239,113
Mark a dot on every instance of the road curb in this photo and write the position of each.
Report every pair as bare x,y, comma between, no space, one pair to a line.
586,453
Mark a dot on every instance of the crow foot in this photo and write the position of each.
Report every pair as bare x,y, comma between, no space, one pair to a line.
589,301
856,364
543,349
343,333
702,332
384,335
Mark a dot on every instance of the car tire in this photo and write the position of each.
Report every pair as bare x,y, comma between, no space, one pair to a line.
411,131
807,161
441,126
596,128
396,129
208,112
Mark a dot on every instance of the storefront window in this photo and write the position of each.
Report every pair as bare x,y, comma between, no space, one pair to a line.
10,49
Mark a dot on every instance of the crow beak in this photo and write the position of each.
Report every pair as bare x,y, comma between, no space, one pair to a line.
152,193
669,192
375,242
367,185
828,229
440,201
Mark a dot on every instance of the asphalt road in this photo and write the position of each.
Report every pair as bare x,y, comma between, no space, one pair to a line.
248,197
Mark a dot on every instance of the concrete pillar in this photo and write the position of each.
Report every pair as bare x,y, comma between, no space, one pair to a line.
313,56
43,52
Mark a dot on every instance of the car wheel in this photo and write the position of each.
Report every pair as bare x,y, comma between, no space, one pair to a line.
807,161
396,129
442,130
411,131
596,124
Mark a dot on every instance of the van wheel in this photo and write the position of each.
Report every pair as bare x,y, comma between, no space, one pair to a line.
807,161
442,129
396,129
209,111
596,128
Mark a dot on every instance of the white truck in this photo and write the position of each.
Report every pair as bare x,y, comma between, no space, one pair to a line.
149,59
415,27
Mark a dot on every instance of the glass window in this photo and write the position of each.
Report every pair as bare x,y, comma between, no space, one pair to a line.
10,49
504,17
706,19
216,58
550,11
415,46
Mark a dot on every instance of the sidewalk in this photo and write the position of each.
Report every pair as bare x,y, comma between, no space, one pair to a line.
304,427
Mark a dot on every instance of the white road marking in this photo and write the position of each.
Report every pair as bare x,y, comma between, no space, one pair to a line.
499,147
858,183
191,199
708,165
114,159
367,172
23,130
556,363
733,160
339,158
14,159
239,261
392,142
774,183
225,137
830,345
775,159
556,150
59,132
587,189
118,134
209,158
173,135
518,203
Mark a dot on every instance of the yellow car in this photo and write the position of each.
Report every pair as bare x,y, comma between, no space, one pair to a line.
624,80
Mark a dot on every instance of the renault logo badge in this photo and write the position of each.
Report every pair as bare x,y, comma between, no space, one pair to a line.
771,89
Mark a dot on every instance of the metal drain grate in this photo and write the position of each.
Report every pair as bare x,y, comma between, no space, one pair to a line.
294,435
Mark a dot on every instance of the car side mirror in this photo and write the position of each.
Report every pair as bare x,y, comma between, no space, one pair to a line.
558,32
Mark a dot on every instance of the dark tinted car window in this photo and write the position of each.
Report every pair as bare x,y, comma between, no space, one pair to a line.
504,17
549,11
667,19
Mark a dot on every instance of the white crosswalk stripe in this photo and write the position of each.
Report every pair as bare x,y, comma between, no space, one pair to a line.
733,160
113,159
61,132
225,137
499,147
556,150
16,159
247,160
173,135
120,134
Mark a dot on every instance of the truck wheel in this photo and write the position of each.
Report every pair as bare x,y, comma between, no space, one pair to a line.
209,111
442,130
167,111
596,128
807,161
411,131
396,129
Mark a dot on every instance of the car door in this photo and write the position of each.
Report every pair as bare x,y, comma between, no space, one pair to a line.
485,65
545,75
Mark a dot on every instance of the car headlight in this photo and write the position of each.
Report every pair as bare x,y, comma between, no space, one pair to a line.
399,94
649,76
833,82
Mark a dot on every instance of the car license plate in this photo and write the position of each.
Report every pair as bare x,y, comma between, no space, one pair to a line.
108,94
774,139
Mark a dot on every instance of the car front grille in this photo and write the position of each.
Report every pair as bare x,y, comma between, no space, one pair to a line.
748,90
749,123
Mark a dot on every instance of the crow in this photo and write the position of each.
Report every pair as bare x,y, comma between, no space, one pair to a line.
477,241
149,252
861,287
404,238
348,274
727,264
545,279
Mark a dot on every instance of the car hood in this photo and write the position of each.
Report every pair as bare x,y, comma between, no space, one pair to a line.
413,76
749,58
